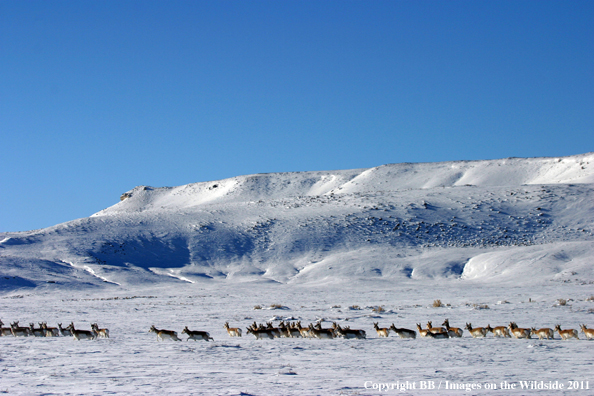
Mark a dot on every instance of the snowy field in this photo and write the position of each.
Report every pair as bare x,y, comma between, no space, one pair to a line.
133,361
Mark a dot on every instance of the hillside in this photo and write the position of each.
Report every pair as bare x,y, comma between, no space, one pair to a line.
510,220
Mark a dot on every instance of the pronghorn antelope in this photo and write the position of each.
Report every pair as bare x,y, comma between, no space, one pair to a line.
36,332
19,331
381,332
277,332
82,334
232,331
196,335
318,332
403,333
589,333
544,333
423,332
260,331
293,330
5,331
103,333
64,331
304,331
567,334
519,332
476,332
452,331
347,332
499,331
164,334
49,331
260,334
437,335
435,330
359,333
284,329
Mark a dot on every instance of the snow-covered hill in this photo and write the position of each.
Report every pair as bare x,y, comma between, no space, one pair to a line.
324,246
511,220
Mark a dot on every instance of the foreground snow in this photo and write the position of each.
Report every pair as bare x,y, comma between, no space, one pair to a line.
132,361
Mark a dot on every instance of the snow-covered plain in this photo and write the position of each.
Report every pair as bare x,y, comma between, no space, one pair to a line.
513,235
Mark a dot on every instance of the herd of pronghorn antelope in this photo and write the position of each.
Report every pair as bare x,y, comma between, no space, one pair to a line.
45,331
296,330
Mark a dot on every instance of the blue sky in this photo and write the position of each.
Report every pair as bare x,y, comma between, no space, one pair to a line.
97,97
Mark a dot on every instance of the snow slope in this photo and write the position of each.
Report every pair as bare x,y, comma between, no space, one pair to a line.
466,220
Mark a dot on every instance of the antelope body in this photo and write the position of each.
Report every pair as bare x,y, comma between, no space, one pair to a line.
260,334
285,330
49,331
403,333
82,334
589,333
544,333
519,332
164,334
232,331
452,331
567,334
37,332
435,330
437,335
318,332
294,331
476,332
276,331
65,332
304,331
19,331
347,332
499,331
103,333
5,331
381,332
196,335
423,332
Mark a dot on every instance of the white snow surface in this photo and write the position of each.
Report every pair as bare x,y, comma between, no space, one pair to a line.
514,235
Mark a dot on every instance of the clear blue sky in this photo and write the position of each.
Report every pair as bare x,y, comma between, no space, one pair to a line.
97,97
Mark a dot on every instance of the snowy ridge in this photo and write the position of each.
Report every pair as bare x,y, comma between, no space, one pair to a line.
393,177
472,221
